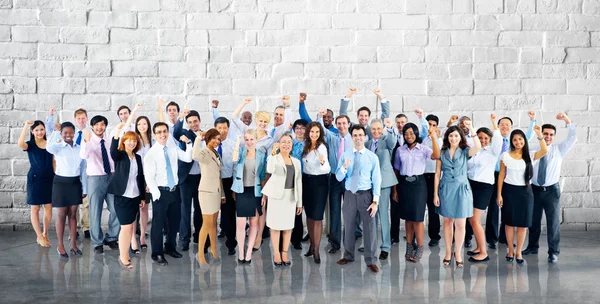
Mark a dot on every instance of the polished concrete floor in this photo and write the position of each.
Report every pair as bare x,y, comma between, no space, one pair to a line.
30,274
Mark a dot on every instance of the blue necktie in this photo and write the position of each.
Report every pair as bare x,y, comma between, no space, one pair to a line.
504,145
374,145
355,173
78,141
273,132
543,165
220,150
170,177
105,161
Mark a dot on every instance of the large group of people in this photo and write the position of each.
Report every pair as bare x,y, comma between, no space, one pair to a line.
260,180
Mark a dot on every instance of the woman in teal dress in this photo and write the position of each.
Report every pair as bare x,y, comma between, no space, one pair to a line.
452,194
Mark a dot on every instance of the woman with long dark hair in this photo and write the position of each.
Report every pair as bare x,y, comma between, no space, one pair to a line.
142,128
515,195
409,166
315,185
39,177
452,194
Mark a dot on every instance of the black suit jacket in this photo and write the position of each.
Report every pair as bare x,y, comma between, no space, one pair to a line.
118,183
183,168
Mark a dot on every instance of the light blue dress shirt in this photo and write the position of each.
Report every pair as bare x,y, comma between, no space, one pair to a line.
369,172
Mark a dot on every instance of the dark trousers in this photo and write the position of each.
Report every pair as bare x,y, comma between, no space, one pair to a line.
189,197
336,192
298,230
167,208
395,220
228,217
358,204
493,218
433,226
546,199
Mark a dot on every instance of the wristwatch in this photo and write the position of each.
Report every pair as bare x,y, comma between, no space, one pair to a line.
376,203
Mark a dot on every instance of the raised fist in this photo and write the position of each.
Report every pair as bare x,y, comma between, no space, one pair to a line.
387,123
184,139
322,112
29,123
302,97
378,93
560,116
120,126
286,100
493,117
51,111
419,113
453,120
247,100
184,113
351,91
56,127
215,103
86,135
531,115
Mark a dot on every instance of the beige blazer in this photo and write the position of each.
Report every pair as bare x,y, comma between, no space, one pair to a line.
276,184
210,167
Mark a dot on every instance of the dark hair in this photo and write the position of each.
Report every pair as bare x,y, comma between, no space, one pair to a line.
172,103
98,118
432,117
357,127
363,109
192,114
415,130
210,134
401,115
159,124
148,132
299,122
123,107
343,116
67,124
320,141
463,140
524,154
548,126
485,131
506,117
221,120
330,111
35,124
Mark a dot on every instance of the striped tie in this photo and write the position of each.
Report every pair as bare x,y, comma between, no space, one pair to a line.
105,160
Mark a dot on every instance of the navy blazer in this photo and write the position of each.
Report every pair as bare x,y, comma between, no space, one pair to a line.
118,182
183,168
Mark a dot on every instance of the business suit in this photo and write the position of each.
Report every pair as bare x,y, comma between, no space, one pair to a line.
211,186
383,149
188,190
125,207
282,204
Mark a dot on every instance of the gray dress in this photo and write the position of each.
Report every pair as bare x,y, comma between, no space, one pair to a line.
456,198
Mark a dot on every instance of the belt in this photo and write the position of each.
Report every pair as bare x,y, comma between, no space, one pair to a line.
410,179
362,191
167,188
547,188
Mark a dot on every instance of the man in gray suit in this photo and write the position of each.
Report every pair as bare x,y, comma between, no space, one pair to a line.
363,113
382,145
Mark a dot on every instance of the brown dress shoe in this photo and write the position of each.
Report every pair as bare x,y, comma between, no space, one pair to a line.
343,261
373,268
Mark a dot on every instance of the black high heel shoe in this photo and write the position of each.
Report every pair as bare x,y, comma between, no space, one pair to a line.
310,252
286,263
62,255
317,259
76,252
241,261
520,261
510,259
248,261
134,251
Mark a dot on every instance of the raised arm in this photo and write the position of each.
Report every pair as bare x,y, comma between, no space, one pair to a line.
302,108
434,145
346,100
185,156
21,142
566,145
215,110
130,120
424,125
50,121
238,110
342,168
385,105
236,151
543,147
84,152
161,113
494,120
532,122
476,143
51,144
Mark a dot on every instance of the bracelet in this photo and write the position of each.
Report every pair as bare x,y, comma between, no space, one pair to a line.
540,138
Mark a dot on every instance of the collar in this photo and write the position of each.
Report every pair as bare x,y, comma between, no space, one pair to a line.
96,138
418,146
361,151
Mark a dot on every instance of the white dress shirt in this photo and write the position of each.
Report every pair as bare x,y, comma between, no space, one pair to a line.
430,164
554,157
68,161
312,162
227,147
481,166
515,169
132,191
155,166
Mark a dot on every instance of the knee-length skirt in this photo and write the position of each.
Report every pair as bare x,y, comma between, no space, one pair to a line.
412,196
66,191
517,207
281,213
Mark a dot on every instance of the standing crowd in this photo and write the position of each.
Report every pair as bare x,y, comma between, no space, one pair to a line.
256,176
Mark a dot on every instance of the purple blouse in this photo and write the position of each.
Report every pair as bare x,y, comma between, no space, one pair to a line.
411,162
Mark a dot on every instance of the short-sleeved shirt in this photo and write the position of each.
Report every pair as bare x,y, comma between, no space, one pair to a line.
515,169
411,162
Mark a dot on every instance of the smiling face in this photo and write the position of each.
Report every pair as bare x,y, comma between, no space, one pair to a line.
462,126
328,119
300,132
279,115
518,142
410,137
376,130
285,144
454,139
161,133
130,144
142,126
81,120
363,118
261,123
123,115
484,139
223,130
342,125
67,134
505,127
250,140
193,123
39,132
400,122
314,134
358,138
99,128
172,112
214,142
548,135
247,118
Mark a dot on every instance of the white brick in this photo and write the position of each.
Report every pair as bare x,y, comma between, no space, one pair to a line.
134,68
17,85
583,86
128,5
400,54
453,54
87,5
460,71
62,18
256,54
61,52
18,50
426,103
554,55
226,38
530,55
171,37
439,7
462,6
584,22
110,85
37,102
112,19
449,87
250,21
310,86
287,70
404,22
255,87
219,54
570,38
84,35
182,69
439,38
451,22
377,38
283,6
559,6
304,54
519,6
559,103
18,17
487,87
518,102
6,67
404,86
591,7
583,55
159,53
327,70
60,85
37,68
281,38
197,37
496,55
356,21
34,34
163,20
112,51
424,71
544,86
521,39
488,6
134,36
363,86
553,22
418,7
158,86
471,103
273,22
378,6
210,21
353,54
37,4
415,38
376,70
5,3
518,71
4,33
330,37
186,5
475,38
307,21
208,86
563,71
88,101
231,70
498,22
86,69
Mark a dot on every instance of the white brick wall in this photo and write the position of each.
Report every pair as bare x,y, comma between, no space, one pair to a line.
470,57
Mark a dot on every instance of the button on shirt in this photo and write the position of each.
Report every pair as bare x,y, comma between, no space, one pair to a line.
481,166
312,162
155,166
411,162
333,143
369,172
92,153
227,147
554,157
68,161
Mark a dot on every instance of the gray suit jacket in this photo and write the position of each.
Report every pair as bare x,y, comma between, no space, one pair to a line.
384,149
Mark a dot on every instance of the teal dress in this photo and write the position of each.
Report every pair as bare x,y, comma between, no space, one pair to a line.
456,198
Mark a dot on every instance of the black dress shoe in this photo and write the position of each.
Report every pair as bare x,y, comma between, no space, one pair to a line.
529,251
472,253
434,243
474,260
86,234
230,251
112,245
395,241
317,259
160,260
221,235
333,250
99,249
361,249
491,246
552,258
468,244
185,247
383,255
174,254
310,252
297,246
306,238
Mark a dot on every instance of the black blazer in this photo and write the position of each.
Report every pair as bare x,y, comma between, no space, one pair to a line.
118,183
183,168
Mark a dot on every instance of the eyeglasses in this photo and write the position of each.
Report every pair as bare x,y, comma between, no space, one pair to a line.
161,132
300,128
358,135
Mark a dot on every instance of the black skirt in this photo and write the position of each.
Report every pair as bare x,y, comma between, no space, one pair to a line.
482,193
412,196
39,188
314,195
517,207
66,191
246,204
127,209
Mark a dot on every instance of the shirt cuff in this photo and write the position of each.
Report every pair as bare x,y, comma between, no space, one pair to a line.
346,99
376,198
344,170
384,100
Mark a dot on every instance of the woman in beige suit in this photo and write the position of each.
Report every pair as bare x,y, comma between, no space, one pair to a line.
284,193
210,191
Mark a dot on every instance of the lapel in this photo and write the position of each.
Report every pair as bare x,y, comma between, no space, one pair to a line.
282,162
